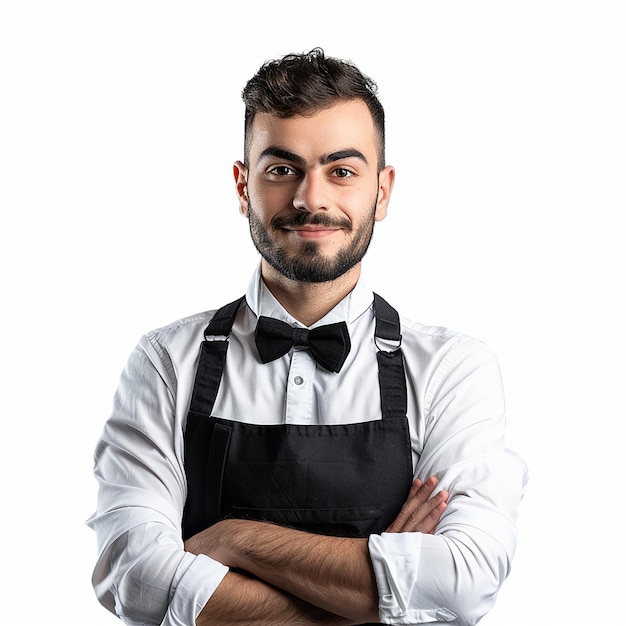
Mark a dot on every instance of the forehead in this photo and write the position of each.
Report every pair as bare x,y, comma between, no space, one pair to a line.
342,126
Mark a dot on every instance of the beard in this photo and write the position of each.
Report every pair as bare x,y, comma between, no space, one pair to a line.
308,264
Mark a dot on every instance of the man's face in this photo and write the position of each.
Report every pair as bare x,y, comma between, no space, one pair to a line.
312,190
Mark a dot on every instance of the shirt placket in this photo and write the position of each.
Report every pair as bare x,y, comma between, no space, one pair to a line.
299,402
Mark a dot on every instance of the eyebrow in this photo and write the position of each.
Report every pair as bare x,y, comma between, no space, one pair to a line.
350,153
281,153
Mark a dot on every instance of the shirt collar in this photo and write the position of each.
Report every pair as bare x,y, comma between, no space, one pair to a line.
262,302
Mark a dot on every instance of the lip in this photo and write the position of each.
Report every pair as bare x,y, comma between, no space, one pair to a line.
312,232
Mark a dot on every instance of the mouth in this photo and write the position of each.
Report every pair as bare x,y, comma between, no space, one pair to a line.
312,232
311,227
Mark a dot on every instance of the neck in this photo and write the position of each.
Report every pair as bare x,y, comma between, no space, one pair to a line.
309,302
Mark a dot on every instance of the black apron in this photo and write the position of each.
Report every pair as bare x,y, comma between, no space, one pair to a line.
343,480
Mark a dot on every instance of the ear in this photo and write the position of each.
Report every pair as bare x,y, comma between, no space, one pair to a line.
241,185
386,179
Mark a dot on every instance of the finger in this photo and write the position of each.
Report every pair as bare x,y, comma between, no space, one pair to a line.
415,485
426,517
421,491
418,495
410,515
429,524
407,508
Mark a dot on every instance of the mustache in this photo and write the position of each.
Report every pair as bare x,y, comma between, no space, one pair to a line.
310,219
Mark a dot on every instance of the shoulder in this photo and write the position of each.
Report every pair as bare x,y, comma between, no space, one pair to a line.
172,344
180,329
190,324
437,338
440,355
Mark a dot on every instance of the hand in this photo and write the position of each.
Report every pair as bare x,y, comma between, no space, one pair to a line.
420,512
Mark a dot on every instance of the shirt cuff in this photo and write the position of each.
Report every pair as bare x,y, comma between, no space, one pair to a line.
196,578
395,559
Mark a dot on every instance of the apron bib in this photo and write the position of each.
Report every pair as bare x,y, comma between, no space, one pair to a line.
343,480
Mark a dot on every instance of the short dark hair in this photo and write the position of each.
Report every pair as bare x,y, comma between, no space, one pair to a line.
301,84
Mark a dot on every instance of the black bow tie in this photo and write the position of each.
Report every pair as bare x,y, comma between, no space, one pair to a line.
329,344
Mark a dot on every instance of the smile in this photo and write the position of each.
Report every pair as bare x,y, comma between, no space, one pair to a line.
312,232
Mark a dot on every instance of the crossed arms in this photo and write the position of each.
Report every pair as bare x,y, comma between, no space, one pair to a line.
139,468
284,576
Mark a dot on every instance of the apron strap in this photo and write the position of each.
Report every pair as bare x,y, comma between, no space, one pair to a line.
212,359
387,320
391,376
222,322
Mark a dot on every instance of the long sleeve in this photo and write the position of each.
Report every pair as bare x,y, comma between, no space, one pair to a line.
454,576
143,573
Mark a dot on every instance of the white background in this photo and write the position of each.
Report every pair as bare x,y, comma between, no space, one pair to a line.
119,122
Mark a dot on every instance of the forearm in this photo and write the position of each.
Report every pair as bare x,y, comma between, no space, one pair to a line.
332,573
243,600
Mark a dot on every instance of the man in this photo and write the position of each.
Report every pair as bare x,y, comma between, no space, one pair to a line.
303,455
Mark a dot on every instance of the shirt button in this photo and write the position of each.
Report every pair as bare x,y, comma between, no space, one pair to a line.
298,380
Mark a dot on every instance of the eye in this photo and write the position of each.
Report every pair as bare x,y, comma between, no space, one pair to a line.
281,170
342,172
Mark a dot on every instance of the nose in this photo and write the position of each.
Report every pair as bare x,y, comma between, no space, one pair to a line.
312,193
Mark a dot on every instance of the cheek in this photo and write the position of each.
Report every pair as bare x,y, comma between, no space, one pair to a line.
361,203
270,199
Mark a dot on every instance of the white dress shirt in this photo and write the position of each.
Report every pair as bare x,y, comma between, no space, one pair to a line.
457,426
